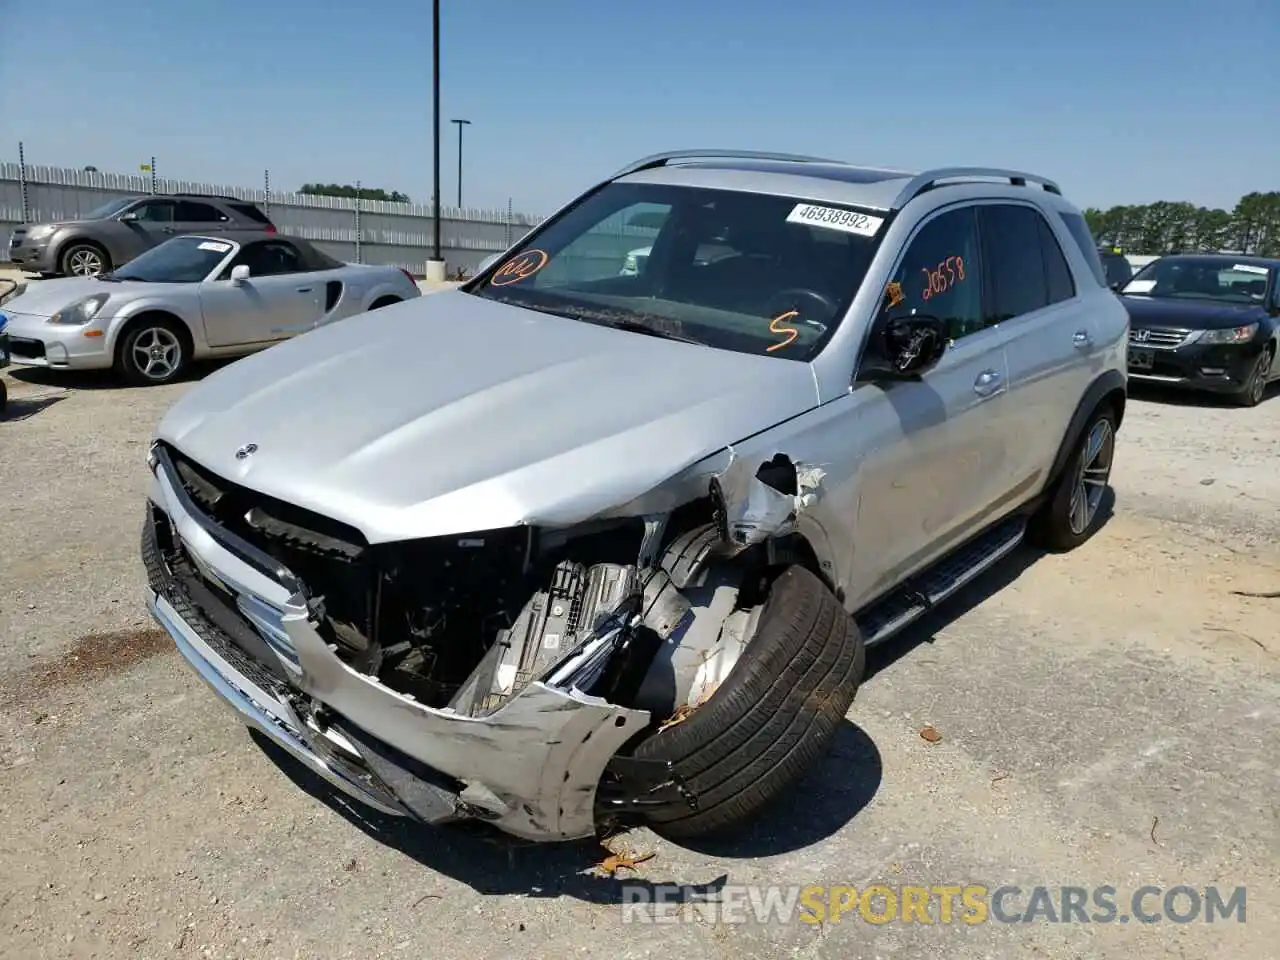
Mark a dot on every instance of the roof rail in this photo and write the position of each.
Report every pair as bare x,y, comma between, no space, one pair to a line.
929,179
662,159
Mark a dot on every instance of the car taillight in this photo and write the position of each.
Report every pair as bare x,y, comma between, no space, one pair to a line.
270,228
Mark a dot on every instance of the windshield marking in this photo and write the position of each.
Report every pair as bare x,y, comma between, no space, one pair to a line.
894,292
1249,268
834,218
521,267
783,331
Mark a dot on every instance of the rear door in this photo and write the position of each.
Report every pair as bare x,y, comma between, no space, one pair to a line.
934,453
192,216
1050,335
280,299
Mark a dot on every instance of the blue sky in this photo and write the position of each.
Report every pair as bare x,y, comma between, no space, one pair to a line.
1121,102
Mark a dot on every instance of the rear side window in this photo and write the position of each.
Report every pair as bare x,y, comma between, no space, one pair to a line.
1083,236
1056,272
1011,239
191,212
250,211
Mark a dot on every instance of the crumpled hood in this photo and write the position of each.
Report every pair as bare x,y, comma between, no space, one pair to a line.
1188,314
453,413
44,298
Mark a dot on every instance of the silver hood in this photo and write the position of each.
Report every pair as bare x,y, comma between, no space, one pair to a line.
452,413
46,297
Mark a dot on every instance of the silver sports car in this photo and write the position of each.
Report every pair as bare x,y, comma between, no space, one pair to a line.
190,298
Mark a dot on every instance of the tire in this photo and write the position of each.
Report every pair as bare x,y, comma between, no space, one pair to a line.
152,353
1255,387
84,259
4,396
1060,525
772,717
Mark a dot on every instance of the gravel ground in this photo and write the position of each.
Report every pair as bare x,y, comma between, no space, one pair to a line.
1105,717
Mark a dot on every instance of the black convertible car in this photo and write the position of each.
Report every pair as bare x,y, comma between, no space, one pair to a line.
1206,322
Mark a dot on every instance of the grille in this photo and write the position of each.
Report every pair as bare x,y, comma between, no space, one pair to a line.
1163,337
22,347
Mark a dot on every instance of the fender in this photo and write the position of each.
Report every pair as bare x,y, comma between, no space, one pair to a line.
1110,382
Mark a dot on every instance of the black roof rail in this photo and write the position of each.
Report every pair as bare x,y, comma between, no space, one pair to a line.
930,179
662,159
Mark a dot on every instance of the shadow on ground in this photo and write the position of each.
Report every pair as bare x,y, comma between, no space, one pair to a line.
490,862
24,408
926,629
1156,393
103,379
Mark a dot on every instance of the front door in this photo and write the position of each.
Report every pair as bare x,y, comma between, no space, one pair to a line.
933,459
280,298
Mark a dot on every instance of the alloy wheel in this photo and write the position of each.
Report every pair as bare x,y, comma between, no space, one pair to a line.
157,353
85,262
1091,476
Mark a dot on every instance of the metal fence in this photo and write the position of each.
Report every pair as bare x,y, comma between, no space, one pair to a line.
364,231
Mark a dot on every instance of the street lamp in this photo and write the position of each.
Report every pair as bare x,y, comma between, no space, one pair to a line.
461,124
435,266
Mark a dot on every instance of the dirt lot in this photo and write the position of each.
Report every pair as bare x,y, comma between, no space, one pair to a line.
1106,717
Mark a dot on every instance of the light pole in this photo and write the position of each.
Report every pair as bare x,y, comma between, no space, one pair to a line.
435,266
461,124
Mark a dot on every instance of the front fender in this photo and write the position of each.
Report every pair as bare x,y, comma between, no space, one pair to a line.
186,314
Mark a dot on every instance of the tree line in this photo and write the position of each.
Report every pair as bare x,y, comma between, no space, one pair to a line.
351,193
1252,227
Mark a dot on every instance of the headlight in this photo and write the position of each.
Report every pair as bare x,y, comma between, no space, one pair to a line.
1230,335
40,230
82,311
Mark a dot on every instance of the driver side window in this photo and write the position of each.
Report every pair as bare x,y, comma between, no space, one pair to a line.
940,274
267,258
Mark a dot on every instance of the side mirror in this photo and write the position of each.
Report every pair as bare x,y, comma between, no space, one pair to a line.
905,348
488,262
129,217
239,273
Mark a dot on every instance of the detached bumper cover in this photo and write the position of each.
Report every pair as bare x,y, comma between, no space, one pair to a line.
532,767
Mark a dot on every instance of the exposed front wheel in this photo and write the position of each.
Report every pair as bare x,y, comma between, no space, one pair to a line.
152,353
773,716
1074,509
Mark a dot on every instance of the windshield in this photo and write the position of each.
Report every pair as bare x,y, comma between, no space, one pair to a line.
1201,278
739,271
108,209
180,260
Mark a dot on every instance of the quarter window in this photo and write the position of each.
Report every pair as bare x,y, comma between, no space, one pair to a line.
1078,227
1056,272
940,274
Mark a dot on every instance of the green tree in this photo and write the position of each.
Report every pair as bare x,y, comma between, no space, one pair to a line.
347,190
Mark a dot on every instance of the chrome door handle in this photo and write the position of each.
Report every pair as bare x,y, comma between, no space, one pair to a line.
988,382
1081,338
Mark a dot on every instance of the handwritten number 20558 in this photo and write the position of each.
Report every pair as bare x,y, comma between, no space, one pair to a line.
948,273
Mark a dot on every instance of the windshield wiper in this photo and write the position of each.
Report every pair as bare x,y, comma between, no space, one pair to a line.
634,323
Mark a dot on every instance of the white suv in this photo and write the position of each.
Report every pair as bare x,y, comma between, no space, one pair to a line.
570,548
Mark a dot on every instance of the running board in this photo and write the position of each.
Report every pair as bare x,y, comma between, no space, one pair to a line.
913,599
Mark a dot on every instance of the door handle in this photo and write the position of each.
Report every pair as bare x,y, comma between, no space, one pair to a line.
305,289
988,382
1081,338
168,230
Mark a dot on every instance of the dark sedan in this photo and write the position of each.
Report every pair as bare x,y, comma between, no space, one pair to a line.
1207,322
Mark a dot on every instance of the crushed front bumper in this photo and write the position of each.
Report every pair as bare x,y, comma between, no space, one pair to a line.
532,767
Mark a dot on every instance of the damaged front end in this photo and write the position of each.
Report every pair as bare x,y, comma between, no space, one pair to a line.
504,675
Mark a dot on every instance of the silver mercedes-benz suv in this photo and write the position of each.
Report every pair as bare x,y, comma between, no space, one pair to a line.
574,546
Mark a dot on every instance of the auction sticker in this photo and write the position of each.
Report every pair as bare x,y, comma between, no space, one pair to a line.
1249,268
833,218
214,246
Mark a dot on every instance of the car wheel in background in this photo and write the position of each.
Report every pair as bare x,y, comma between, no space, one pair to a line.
152,352
85,260
771,719
1255,387
1073,511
